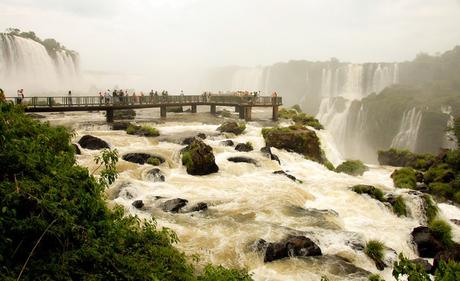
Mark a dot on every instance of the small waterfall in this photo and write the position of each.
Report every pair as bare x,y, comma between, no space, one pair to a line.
353,86
333,114
450,140
408,130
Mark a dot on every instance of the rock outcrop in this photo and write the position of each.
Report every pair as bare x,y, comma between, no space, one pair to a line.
293,246
244,147
174,205
93,143
138,204
428,246
156,175
77,149
227,143
241,159
267,152
199,159
141,158
232,127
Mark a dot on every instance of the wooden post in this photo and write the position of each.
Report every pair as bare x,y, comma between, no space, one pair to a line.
109,115
193,108
163,111
237,108
213,109
275,113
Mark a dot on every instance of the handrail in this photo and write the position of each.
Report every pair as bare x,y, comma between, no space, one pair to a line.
99,101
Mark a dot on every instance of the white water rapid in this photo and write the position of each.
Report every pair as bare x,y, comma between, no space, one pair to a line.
248,202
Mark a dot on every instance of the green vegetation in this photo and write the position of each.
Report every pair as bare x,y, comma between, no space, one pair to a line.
439,173
198,159
352,167
405,158
456,130
375,251
287,113
431,210
249,145
404,268
154,161
297,108
300,118
404,178
55,224
399,206
236,128
375,277
142,131
442,231
369,190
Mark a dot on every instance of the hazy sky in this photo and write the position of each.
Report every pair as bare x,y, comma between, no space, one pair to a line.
137,36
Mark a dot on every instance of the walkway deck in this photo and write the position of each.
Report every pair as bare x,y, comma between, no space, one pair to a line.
243,104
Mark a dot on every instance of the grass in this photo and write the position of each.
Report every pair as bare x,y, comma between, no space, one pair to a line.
153,161
308,120
142,131
375,277
399,207
431,210
442,231
352,167
374,250
249,144
369,190
404,178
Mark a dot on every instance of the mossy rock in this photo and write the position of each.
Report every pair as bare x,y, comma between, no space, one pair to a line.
352,167
370,190
405,158
199,159
232,127
404,178
154,161
441,173
124,114
398,205
307,120
286,113
145,131
297,139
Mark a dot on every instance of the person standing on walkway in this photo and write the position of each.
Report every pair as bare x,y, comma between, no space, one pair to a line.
69,99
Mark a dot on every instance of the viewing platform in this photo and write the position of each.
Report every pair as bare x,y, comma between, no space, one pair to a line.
243,104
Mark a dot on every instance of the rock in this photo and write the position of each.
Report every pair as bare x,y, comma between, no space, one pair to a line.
295,138
352,168
143,131
138,204
451,253
77,149
188,141
141,158
156,175
426,265
244,147
267,151
174,205
232,127
294,246
122,114
405,158
201,136
93,143
176,109
427,244
455,221
199,159
201,206
120,126
280,172
241,159
227,143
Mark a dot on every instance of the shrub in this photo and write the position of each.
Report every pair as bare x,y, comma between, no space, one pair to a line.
286,113
153,161
404,178
370,190
399,206
374,250
352,167
449,271
249,145
431,210
442,231
142,131
439,173
414,271
375,277
220,273
307,120
442,190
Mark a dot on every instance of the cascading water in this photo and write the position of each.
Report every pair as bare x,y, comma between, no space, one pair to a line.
248,79
26,64
408,130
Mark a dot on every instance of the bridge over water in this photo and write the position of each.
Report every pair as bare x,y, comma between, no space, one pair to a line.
242,104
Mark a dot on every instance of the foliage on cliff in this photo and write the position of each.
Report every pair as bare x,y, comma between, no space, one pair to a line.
55,224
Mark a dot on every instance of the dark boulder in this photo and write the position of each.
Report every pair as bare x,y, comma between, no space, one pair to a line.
141,158
199,159
174,205
241,159
156,175
120,126
227,143
94,143
451,253
201,206
455,221
232,127
280,172
423,263
138,204
201,136
267,151
244,147
77,149
188,141
427,243
294,246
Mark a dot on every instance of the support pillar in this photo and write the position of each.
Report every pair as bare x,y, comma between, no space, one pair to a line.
109,115
193,108
241,112
163,111
213,109
248,113
275,113
237,108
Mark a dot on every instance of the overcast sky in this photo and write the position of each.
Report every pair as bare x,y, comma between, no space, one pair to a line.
137,36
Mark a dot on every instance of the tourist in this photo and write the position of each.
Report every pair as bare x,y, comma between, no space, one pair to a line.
274,96
20,97
69,99
100,98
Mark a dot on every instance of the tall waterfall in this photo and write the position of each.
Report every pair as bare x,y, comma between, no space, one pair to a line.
250,79
408,130
26,64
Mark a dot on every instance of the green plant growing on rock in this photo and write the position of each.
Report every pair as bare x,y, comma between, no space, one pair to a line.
154,161
233,127
399,206
375,251
307,120
220,273
375,277
441,173
373,192
198,159
352,167
404,178
142,131
287,113
430,208
442,231
249,145
413,271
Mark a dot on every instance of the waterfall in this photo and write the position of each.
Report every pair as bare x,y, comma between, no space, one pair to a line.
248,79
333,113
408,130
353,85
25,63
450,140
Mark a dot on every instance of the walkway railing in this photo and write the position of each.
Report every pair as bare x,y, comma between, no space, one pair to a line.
97,101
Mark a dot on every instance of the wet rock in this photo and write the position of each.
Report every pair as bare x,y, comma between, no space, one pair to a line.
281,172
455,221
174,205
267,151
201,206
156,175
77,149
356,245
120,126
232,127
188,141
425,265
293,246
199,159
93,143
241,159
141,158
138,204
427,243
124,114
227,143
244,147
450,253
201,136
